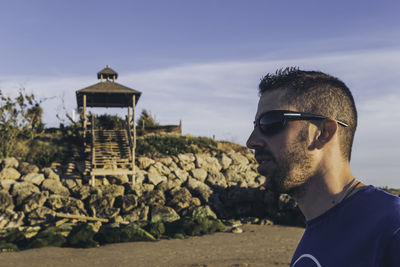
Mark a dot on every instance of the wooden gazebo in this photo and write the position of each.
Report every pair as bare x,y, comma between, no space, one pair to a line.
110,94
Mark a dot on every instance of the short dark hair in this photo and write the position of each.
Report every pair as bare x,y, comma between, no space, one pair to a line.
319,93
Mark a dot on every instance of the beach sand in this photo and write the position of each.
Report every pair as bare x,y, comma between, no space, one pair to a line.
256,246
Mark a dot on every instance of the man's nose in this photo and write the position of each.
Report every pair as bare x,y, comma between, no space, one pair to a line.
254,140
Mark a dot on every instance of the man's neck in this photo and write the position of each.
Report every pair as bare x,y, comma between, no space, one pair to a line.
324,191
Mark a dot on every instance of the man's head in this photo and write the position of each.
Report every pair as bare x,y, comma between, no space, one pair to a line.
284,155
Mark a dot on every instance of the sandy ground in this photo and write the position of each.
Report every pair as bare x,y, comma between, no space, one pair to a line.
256,246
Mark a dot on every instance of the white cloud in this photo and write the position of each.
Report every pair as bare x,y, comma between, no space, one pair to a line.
220,99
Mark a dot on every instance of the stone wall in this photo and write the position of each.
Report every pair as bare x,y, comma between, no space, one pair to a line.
218,184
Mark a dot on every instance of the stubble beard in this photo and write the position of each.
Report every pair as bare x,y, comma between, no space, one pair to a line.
292,168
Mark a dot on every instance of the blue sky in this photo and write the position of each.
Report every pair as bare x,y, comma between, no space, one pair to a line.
201,61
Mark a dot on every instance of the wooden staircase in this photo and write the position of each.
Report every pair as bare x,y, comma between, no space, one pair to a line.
111,152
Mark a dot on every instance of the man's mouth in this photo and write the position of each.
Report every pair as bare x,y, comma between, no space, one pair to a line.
263,159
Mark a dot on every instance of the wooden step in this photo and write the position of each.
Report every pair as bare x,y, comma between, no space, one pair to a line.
111,172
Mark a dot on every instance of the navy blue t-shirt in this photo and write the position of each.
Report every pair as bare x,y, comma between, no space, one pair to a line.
363,230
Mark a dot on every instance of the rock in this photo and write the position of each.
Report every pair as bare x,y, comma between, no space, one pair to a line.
20,191
153,198
6,184
96,225
173,166
250,220
250,156
180,198
186,158
127,202
148,187
195,202
8,247
128,233
203,190
34,201
181,175
82,192
6,201
156,229
25,168
238,158
104,181
140,176
82,236
167,161
144,162
237,230
112,190
261,180
159,169
136,189
41,215
286,202
199,174
250,176
163,214
66,204
50,174
9,173
210,164
9,163
235,173
239,195
186,161
49,237
168,185
216,180
118,219
266,222
224,161
137,214
155,179
70,184
55,187
118,179
11,219
195,226
102,206
233,223
30,231
202,211
34,178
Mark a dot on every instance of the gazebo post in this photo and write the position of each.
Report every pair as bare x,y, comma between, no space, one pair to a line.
84,116
134,139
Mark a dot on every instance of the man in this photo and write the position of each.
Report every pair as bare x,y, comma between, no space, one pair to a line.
302,137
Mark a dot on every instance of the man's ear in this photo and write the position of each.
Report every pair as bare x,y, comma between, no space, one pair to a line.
327,131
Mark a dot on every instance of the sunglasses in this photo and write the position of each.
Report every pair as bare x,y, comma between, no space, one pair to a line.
274,121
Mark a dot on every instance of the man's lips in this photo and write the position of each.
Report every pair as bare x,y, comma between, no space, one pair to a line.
263,158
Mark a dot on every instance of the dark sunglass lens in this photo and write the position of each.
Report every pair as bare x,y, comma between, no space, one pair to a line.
271,123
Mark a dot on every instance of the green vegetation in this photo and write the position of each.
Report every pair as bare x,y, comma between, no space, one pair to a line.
146,119
20,118
168,144
194,226
108,122
126,233
83,236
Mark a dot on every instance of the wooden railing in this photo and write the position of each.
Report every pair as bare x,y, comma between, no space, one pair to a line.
132,144
93,147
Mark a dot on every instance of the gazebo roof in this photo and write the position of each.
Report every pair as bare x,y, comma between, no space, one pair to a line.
107,94
107,73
